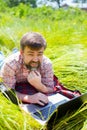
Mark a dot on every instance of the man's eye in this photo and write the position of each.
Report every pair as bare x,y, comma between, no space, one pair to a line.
40,54
30,54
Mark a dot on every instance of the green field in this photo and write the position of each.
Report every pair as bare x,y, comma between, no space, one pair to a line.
65,31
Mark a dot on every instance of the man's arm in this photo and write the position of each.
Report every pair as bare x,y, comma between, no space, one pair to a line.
8,76
38,98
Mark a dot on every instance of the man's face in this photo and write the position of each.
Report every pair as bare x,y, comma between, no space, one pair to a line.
32,58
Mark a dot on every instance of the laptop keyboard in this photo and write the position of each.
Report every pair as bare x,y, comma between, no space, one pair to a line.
44,113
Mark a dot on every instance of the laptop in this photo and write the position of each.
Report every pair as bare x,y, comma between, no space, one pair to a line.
58,104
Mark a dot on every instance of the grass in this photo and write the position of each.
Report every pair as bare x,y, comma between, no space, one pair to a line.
12,117
70,67
66,34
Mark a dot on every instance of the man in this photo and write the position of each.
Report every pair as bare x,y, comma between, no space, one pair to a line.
32,67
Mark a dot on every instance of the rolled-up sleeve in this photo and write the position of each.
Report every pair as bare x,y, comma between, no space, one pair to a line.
8,75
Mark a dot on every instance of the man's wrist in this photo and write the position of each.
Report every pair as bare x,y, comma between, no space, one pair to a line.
23,97
47,89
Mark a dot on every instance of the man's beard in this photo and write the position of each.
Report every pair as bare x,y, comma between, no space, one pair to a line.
31,67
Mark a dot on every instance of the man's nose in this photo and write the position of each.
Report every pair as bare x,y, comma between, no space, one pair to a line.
35,59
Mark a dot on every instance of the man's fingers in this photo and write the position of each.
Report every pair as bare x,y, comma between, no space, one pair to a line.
41,103
32,74
37,73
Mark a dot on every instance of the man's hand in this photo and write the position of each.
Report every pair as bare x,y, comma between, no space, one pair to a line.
34,78
38,98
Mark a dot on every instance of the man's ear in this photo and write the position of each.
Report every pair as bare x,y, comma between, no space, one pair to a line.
21,51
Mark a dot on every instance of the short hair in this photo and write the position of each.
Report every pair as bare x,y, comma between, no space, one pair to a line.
33,40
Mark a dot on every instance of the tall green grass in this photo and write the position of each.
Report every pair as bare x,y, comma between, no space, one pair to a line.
13,118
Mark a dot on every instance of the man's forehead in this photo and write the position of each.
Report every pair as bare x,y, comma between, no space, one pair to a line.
32,50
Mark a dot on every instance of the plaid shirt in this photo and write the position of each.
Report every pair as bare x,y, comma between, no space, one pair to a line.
14,71
14,74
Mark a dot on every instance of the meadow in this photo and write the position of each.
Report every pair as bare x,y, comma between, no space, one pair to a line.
65,31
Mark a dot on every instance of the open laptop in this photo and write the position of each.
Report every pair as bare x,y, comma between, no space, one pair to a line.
57,103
